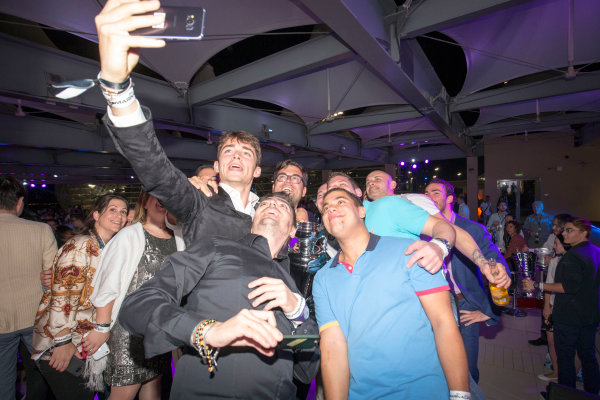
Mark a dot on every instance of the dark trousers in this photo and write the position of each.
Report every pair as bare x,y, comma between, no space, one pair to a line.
470,336
569,340
64,385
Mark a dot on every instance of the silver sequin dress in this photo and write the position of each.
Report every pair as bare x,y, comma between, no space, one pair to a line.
126,362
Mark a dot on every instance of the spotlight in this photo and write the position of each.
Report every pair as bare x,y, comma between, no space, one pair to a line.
32,185
43,185
426,161
402,163
414,166
56,176
132,177
413,160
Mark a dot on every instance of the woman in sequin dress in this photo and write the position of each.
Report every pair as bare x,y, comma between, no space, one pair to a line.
132,259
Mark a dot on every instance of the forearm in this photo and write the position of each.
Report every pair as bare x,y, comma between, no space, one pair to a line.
443,230
140,146
467,246
451,351
554,287
103,314
336,373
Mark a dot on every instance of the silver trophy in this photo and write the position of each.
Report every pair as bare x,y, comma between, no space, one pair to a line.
525,263
307,255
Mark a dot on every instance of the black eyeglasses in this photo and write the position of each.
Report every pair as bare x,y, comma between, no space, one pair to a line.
295,179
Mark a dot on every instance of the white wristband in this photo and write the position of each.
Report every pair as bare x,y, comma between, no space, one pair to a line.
119,100
441,246
299,308
459,395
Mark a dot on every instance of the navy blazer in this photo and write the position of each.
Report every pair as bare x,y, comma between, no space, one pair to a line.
467,275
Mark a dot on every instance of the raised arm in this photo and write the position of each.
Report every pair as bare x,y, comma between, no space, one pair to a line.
138,142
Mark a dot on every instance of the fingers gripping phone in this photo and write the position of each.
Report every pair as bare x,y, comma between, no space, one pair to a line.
181,23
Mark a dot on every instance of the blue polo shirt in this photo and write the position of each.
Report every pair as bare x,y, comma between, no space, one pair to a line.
395,216
391,347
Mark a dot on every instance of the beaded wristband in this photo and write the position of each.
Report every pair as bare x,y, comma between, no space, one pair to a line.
208,353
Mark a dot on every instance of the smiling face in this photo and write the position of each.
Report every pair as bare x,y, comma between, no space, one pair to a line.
437,193
284,183
379,184
274,216
111,220
237,164
342,216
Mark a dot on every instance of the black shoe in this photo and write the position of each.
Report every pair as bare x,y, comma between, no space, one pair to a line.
544,395
538,342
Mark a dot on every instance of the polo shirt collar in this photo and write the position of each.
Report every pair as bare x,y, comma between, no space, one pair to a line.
373,240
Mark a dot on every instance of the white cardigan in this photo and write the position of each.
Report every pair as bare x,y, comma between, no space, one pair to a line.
118,263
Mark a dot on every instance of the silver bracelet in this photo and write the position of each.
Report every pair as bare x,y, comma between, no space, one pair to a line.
459,395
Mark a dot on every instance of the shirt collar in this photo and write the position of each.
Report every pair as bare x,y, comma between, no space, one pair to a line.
236,199
258,241
373,240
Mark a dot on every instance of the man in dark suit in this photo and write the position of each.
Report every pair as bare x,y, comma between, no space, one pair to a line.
464,277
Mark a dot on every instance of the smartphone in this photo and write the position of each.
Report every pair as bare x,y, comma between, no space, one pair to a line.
181,23
101,352
76,366
298,342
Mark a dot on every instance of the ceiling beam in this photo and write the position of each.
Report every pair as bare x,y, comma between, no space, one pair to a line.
406,138
434,15
300,59
441,152
558,86
520,125
344,22
383,116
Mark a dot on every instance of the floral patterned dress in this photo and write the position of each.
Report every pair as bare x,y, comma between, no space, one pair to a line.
67,303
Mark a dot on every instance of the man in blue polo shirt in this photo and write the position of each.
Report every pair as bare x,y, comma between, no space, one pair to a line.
381,323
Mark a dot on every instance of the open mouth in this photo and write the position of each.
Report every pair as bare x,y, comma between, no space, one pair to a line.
235,167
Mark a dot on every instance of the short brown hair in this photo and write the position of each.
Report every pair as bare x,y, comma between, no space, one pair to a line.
583,225
357,202
282,196
516,224
343,175
242,137
11,190
286,163
447,185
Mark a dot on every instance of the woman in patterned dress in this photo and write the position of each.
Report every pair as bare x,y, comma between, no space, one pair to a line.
66,313
133,257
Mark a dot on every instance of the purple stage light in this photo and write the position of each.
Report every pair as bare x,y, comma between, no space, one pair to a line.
426,161
43,185
32,185
402,163
414,166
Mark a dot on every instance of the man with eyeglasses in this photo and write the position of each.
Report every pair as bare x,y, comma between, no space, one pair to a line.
576,311
291,178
